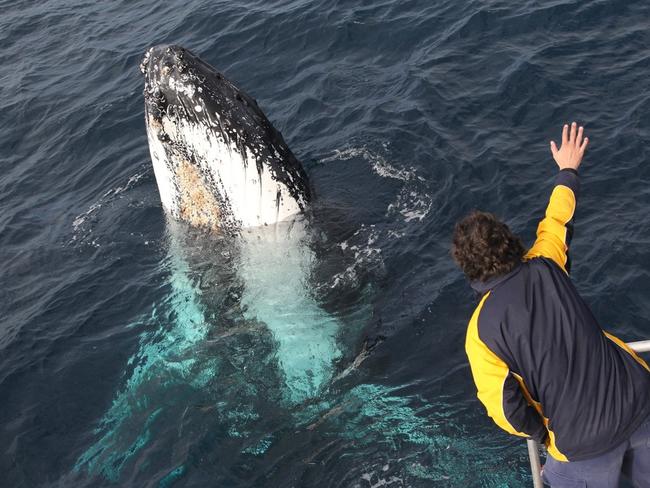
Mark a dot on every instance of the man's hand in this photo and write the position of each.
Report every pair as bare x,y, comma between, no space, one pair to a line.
573,147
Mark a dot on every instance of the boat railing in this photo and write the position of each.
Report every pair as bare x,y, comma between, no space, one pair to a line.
533,446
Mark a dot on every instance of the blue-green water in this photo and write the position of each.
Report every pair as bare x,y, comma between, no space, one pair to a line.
135,352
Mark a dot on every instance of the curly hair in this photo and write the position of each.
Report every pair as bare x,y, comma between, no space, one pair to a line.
484,247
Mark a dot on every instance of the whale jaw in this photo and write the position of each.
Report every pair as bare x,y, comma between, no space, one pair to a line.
218,161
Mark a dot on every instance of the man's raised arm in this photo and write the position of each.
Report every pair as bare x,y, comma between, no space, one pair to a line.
554,232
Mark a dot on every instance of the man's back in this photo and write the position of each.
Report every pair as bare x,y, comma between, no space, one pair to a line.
591,392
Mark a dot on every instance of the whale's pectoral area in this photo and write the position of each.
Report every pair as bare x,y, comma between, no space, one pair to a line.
198,206
188,188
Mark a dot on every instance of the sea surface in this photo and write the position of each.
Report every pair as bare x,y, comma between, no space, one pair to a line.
124,362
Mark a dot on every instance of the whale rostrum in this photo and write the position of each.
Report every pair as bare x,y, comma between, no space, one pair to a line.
218,161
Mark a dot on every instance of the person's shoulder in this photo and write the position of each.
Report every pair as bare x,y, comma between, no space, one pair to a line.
539,264
536,261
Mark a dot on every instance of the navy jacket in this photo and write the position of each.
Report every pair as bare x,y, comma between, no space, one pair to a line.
543,366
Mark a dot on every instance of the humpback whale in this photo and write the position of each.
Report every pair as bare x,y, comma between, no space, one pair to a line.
220,165
219,162
222,170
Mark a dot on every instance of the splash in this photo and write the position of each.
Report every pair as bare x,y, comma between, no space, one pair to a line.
409,206
366,254
82,227
276,264
413,202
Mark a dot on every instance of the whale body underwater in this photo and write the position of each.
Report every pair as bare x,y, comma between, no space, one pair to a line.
222,170
221,166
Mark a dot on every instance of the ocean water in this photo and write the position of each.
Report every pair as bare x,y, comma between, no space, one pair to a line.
137,352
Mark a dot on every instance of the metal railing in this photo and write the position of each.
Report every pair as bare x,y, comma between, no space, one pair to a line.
533,446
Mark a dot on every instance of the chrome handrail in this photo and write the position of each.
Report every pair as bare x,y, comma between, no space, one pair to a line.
533,445
639,346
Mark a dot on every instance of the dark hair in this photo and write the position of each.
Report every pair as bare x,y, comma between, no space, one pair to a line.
484,247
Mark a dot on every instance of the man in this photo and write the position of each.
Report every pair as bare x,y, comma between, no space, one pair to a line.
542,365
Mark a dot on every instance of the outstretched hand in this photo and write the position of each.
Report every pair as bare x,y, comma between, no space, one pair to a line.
573,147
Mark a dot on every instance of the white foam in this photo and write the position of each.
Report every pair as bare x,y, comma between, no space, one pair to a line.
414,200
374,480
276,264
81,231
366,255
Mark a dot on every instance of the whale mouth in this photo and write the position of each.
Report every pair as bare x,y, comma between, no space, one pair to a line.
219,162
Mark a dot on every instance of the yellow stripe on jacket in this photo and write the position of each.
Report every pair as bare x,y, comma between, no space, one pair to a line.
551,239
627,349
489,372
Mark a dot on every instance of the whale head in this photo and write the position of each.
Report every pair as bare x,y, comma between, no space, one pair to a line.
219,163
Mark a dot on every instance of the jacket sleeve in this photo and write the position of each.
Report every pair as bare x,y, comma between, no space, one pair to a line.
554,232
498,389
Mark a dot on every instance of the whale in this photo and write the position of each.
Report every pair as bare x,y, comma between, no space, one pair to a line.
221,166
236,199
219,163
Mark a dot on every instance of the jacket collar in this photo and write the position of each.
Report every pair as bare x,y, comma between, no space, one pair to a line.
484,286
